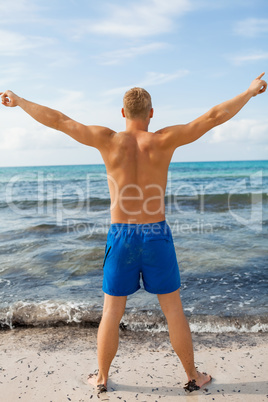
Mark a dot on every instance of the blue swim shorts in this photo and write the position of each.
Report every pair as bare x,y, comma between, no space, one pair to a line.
135,251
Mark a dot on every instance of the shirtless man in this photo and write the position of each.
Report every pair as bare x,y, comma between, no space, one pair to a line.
139,239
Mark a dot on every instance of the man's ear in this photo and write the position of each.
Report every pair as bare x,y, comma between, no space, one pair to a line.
123,112
151,113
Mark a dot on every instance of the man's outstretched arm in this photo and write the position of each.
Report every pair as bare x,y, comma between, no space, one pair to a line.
178,135
95,136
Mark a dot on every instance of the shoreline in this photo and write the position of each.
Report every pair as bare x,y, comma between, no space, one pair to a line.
135,319
52,364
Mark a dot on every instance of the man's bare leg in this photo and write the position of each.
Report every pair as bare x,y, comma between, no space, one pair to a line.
108,336
180,335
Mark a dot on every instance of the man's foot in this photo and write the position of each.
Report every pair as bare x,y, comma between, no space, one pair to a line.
198,382
100,386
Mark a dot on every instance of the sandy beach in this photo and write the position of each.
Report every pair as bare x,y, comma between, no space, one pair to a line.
51,364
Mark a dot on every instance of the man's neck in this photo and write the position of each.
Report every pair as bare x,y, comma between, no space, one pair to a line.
137,125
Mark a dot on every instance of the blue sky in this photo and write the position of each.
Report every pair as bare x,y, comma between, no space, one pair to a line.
80,57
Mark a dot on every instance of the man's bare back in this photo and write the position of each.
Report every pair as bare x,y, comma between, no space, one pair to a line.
137,167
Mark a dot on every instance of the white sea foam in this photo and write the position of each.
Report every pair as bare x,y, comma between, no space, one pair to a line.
47,313
218,329
190,309
53,313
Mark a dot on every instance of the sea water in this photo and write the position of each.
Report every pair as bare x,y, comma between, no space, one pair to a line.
53,226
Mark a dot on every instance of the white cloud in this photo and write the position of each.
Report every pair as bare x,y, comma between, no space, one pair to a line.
14,44
32,137
117,56
151,79
11,73
252,27
139,19
20,12
243,131
250,57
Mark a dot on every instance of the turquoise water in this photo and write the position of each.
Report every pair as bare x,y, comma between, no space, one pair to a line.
53,226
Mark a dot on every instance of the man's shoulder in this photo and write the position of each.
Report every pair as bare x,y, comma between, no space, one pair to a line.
100,130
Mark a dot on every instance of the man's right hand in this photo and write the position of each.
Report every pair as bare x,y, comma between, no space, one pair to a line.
9,99
258,86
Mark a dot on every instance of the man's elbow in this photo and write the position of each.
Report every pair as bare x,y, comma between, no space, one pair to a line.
61,123
218,116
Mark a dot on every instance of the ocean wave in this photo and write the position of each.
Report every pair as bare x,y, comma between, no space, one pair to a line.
46,227
84,229
52,313
220,202
54,203
216,202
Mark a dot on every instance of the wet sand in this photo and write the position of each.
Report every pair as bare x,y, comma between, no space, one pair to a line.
51,364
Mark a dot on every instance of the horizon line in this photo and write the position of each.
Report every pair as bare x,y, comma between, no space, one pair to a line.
103,164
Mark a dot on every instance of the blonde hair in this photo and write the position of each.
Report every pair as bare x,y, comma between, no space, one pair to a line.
137,103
